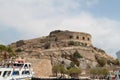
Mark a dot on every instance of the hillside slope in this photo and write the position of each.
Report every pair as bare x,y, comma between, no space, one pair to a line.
58,47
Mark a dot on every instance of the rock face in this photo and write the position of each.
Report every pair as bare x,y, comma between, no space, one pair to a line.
41,67
58,47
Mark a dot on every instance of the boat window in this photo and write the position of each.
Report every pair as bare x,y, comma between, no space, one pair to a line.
119,76
18,65
25,66
15,73
9,72
14,64
6,73
25,72
0,73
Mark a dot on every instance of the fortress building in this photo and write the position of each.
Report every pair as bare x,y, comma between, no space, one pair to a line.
57,39
79,37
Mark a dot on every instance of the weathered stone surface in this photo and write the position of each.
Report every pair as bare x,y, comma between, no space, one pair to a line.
46,51
41,67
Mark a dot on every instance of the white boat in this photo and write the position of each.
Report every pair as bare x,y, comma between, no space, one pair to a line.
117,75
19,70
117,71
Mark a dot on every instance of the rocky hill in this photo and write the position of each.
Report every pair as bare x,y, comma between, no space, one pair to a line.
59,47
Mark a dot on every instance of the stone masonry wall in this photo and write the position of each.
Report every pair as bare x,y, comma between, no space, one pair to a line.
69,35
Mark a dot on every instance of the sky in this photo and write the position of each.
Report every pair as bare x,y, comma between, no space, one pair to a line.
27,19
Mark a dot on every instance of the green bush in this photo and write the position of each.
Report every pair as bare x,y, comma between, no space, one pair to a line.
6,52
71,43
101,61
18,50
76,54
75,58
99,71
59,68
116,62
74,72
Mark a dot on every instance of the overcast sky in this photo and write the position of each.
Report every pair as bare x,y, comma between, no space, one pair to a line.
27,19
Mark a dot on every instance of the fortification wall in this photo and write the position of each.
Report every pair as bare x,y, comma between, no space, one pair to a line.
73,36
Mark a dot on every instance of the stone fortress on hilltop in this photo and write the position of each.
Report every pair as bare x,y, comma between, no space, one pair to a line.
56,39
80,37
59,46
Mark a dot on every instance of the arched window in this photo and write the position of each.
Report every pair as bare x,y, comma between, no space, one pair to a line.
77,37
88,39
70,37
83,38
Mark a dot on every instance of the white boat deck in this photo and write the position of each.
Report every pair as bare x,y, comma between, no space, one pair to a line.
16,71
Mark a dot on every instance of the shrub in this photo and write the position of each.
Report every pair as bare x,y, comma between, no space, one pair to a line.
116,62
99,71
74,72
18,50
71,43
59,68
76,54
101,61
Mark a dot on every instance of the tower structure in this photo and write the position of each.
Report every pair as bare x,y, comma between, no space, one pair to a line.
81,37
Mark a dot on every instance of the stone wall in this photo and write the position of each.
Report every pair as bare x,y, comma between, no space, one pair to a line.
41,67
73,36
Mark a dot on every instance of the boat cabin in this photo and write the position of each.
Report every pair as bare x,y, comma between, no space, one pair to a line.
16,70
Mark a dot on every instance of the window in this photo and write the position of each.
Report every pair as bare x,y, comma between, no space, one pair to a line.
21,65
15,73
83,38
8,74
70,37
18,65
88,39
4,74
26,66
77,37
25,72
0,73
119,76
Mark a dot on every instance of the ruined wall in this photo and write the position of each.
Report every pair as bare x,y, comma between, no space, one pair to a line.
73,36
41,67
